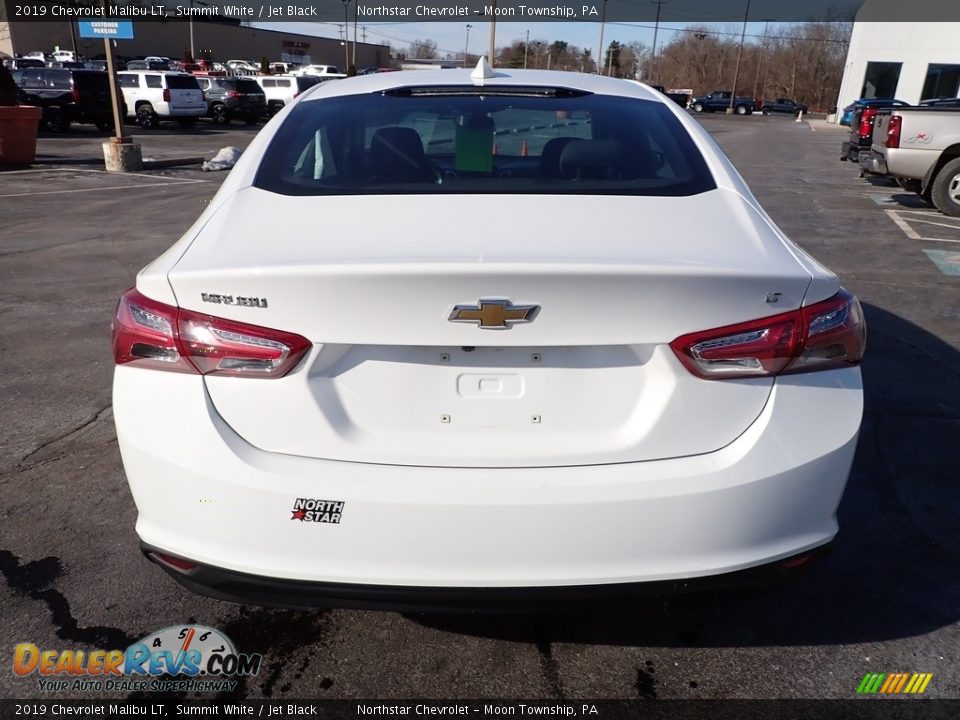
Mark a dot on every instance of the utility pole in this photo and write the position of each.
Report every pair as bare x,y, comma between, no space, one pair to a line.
656,31
603,20
466,45
736,72
363,29
526,44
763,48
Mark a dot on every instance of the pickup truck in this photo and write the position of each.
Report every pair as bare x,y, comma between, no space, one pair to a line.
720,100
782,105
920,148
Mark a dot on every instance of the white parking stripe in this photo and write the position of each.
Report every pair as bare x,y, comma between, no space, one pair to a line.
102,189
907,230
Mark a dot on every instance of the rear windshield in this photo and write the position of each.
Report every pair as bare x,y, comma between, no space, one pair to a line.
59,79
182,82
91,80
570,143
247,86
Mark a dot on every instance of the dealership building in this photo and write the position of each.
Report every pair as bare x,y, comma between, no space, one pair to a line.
910,61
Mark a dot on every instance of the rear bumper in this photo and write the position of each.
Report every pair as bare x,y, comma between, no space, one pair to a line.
205,494
872,162
249,589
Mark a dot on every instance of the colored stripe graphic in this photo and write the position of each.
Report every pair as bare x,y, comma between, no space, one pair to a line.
894,683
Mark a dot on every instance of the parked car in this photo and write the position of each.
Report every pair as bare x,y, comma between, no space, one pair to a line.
96,65
846,117
152,97
782,105
148,65
861,125
281,89
328,71
244,66
920,147
229,98
37,55
63,56
474,418
720,100
68,64
67,96
940,102
21,63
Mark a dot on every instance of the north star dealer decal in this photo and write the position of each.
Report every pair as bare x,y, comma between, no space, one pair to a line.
322,511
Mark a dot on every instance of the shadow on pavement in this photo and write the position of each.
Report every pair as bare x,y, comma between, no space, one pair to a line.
894,569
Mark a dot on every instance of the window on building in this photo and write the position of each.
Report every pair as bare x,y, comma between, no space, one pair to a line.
942,81
881,80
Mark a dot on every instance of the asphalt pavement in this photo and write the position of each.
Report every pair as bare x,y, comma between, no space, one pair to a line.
887,599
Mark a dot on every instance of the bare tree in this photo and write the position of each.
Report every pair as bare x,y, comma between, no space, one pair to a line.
423,49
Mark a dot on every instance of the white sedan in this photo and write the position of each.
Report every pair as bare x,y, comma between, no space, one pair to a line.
443,337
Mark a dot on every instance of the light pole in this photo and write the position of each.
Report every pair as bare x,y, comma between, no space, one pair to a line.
603,20
466,45
493,35
356,12
526,44
736,72
346,33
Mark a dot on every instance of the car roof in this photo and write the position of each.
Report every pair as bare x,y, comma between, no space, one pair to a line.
380,82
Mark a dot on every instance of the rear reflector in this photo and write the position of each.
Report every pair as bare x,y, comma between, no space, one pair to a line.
176,563
825,335
150,334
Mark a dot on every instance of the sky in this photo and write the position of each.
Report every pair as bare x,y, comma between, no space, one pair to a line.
451,37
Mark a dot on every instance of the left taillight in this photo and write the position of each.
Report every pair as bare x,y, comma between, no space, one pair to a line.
824,335
151,334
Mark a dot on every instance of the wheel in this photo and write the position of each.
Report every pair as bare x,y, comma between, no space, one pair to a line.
946,189
146,117
58,121
187,122
765,111
741,109
104,125
220,114
274,108
698,107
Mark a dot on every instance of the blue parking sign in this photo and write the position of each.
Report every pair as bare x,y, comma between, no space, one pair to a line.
113,29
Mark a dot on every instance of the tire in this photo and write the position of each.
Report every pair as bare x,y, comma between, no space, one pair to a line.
698,107
945,189
58,122
273,109
187,123
220,114
742,110
104,125
146,117
765,111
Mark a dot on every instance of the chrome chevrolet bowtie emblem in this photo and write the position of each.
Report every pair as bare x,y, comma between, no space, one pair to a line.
494,313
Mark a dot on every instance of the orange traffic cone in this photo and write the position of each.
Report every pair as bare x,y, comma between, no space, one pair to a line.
524,152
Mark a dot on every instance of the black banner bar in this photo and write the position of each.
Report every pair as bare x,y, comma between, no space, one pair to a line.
525,11
872,708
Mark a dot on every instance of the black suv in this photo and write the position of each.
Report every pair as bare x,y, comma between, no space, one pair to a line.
229,98
67,96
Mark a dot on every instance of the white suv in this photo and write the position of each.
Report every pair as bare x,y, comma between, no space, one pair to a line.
152,96
281,89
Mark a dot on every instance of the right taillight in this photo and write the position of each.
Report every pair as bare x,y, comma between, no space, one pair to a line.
893,132
825,335
166,95
151,334
866,124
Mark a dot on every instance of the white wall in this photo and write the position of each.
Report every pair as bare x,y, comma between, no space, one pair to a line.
916,45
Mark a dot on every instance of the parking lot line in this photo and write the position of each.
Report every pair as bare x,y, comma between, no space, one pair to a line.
904,224
163,180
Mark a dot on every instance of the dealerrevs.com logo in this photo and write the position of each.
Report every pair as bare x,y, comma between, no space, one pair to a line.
188,658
